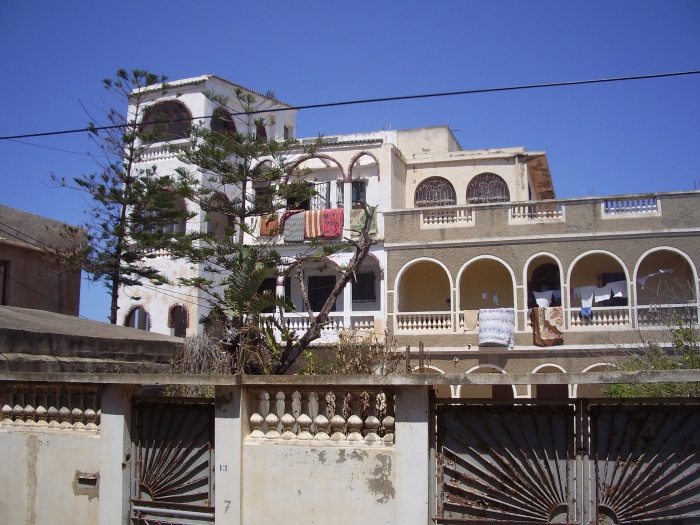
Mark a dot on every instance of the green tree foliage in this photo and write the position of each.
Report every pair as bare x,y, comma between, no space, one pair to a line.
236,177
132,208
685,355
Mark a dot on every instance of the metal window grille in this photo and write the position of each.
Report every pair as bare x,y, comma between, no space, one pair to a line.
486,188
435,191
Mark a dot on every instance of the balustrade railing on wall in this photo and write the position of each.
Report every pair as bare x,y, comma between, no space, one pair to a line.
447,217
363,417
630,207
601,317
424,321
50,406
531,212
162,151
667,315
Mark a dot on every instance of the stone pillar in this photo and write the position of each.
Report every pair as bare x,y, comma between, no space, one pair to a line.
115,455
412,451
228,437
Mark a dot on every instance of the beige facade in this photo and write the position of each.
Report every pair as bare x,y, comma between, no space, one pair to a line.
463,236
28,279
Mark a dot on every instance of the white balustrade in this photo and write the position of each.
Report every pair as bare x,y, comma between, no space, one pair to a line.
626,207
424,321
447,217
363,418
50,406
667,315
601,317
537,212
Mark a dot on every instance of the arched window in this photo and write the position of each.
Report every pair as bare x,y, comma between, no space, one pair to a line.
156,125
222,122
545,278
260,130
178,320
487,187
138,318
435,191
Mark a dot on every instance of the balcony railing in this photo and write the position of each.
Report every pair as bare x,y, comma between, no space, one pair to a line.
447,217
667,315
600,317
630,207
424,321
537,212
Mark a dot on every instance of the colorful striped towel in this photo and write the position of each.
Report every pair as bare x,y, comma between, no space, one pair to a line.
313,223
333,222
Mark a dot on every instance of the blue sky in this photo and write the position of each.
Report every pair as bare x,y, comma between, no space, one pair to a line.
628,137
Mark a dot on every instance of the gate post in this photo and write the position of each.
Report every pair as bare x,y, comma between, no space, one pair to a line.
115,455
412,450
228,440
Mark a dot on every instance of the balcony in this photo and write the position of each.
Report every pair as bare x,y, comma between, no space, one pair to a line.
560,217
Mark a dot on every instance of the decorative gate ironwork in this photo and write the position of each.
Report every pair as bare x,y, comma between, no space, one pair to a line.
173,480
605,463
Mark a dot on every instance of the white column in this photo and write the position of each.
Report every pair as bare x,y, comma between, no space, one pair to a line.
347,293
115,455
229,449
412,455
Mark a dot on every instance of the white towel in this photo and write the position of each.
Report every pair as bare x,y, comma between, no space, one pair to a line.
602,293
618,288
543,299
586,295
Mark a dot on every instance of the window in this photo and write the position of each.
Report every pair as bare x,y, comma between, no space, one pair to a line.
178,321
320,200
270,284
611,277
544,278
487,187
288,132
222,122
260,131
363,290
4,279
164,121
319,290
138,318
359,193
435,191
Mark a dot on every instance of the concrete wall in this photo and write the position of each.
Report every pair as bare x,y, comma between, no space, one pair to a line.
46,476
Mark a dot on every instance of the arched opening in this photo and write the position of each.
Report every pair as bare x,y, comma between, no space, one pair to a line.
486,391
486,283
222,122
138,318
599,292
178,321
666,292
170,120
319,281
424,287
178,224
543,283
550,391
592,391
487,187
435,191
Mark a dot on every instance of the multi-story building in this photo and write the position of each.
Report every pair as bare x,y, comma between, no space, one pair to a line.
477,262
28,278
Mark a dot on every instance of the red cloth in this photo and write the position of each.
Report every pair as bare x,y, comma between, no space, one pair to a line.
333,222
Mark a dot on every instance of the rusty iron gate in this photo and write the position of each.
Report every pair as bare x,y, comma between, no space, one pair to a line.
173,451
588,462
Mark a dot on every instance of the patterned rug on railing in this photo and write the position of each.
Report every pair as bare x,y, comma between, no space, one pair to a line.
546,326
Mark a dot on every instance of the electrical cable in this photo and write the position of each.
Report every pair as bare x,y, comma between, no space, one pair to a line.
94,129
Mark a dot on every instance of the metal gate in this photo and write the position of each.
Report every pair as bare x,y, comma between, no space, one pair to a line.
173,479
599,462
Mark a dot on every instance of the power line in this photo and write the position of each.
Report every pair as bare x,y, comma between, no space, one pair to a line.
94,129
49,147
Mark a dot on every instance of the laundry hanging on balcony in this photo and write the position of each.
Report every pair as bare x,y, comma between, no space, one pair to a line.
293,226
547,324
497,327
313,223
333,222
